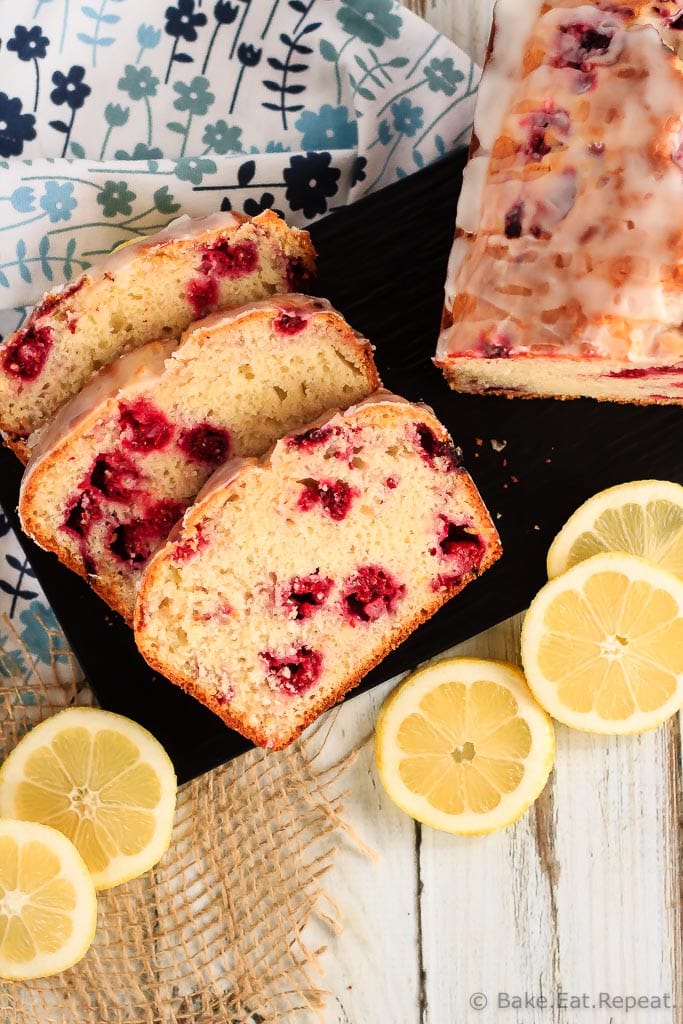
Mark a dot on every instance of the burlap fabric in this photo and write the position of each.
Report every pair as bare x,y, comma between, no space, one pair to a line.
215,932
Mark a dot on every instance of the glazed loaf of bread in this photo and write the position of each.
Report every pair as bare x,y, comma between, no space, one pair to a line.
291,577
143,292
566,274
123,460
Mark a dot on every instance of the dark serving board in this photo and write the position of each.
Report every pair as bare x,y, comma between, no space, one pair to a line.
382,263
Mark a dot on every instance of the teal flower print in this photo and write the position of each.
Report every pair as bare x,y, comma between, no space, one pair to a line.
193,169
138,82
443,76
384,132
194,97
23,199
407,117
164,201
115,115
141,152
41,634
330,128
58,201
371,21
148,36
115,197
222,139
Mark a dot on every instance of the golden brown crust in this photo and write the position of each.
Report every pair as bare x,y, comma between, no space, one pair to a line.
19,445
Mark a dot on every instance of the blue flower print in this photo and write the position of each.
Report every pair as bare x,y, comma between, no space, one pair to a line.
443,76
23,201
70,88
407,117
148,36
371,21
330,128
141,152
41,634
194,97
310,182
222,139
4,525
138,82
182,22
28,44
193,169
15,128
115,115
58,201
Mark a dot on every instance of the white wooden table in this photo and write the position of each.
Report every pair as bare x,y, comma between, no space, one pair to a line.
578,903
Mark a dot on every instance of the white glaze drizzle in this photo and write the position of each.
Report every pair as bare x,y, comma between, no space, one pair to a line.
608,243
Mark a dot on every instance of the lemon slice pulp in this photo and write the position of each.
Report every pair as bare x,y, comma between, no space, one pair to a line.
462,745
602,645
48,908
102,780
642,518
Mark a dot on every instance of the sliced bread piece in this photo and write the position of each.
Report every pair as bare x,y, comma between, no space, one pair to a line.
121,462
290,578
149,290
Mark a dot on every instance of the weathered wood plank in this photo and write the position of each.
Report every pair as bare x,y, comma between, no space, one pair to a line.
373,971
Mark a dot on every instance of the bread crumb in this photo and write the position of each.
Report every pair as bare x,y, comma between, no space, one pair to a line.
497,445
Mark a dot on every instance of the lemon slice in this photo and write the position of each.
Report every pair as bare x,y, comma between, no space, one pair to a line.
462,745
102,780
48,906
602,645
642,518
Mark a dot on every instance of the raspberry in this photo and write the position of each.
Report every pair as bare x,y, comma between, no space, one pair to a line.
81,515
371,593
114,476
289,323
202,294
293,673
143,427
224,260
205,443
134,542
335,497
306,593
27,354
463,549
439,454
312,438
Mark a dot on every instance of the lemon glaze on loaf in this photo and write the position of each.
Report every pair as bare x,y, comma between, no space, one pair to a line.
121,462
564,277
292,576
143,292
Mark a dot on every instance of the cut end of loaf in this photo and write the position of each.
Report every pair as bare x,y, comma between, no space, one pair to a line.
291,579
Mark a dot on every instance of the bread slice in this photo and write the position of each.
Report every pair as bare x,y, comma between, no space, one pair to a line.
290,578
121,462
142,292
565,278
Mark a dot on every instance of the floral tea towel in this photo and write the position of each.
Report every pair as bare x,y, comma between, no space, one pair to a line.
117,116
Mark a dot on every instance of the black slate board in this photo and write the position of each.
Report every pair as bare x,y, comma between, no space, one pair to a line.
382,263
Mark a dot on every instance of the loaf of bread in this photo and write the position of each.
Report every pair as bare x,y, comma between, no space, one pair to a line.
292,576
143,292
121,462
565,276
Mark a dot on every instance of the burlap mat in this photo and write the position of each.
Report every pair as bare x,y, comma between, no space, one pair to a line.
215,932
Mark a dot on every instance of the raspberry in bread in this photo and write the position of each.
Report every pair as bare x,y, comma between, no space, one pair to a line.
142,292
293,576
120,463
566,274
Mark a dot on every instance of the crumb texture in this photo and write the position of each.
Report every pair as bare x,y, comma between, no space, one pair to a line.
152,290
291,580
109,489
